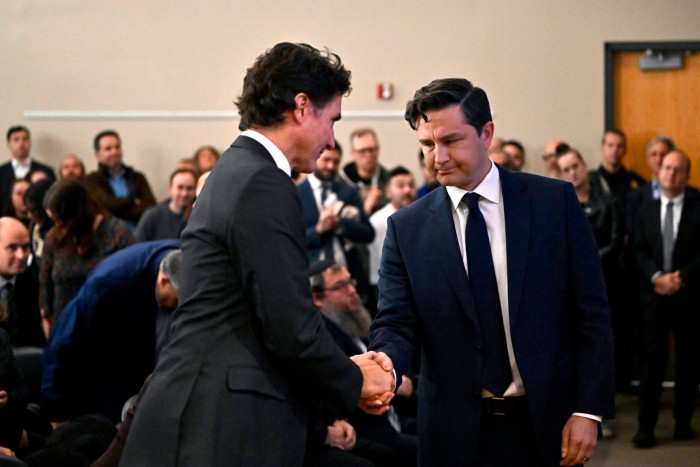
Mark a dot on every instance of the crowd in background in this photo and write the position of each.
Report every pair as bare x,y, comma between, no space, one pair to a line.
55,231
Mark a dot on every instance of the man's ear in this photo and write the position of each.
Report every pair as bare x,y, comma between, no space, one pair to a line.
487,133
317,298
302,107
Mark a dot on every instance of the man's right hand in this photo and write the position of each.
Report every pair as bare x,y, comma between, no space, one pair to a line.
377,381
668,283
327,220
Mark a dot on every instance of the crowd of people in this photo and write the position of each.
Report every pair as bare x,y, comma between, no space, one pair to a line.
89,261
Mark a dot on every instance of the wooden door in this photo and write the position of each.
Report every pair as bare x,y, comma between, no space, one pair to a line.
646,104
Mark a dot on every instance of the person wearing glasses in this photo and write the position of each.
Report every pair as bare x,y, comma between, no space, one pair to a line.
365,173
552,150
381,439
335,221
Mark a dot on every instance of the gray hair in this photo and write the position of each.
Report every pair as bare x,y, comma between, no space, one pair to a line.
171,266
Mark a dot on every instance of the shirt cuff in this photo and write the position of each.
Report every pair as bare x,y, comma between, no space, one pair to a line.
655,276
597,418
394,372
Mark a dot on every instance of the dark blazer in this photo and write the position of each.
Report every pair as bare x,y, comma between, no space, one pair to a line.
248,351
350,230
104,343
7,177
560,322
30,331
648,248
128,209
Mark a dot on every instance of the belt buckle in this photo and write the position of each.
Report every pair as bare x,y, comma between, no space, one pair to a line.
499,399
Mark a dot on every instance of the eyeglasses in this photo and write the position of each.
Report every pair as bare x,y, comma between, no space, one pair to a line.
342,285
369,150
546,157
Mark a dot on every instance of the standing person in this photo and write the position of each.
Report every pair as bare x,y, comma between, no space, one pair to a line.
400,191
511,316
120,190
365,173
667,251
21,164
335,221
248,353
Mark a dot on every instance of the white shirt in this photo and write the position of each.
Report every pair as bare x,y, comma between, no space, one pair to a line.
21,168
378,220
280,159
677,209
491,207
317,188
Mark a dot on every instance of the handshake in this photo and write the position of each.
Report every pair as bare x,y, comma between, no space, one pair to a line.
377,381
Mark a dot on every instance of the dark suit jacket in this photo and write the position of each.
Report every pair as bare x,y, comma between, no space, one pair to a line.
560,322
7,177
355,231
248,351
648,248
30,330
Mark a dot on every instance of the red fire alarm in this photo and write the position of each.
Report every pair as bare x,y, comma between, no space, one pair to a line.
385,91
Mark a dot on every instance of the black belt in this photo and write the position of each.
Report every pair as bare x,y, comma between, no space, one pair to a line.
504,405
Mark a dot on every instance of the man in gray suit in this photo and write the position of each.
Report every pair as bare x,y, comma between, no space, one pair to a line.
248,353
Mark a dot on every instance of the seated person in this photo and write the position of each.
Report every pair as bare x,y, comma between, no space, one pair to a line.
168,219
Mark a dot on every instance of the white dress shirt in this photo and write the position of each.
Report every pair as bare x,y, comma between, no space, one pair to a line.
317,188
378,220
280,159
491,207
21,168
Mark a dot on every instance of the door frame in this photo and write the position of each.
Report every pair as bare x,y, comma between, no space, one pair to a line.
613,47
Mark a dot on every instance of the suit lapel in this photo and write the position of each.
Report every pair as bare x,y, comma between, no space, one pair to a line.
447,252
517,212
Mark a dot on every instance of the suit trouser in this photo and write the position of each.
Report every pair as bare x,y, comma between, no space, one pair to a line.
657,321
508,440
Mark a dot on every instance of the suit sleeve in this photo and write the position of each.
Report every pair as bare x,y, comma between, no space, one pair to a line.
268,232
358,231
394,330
643,246
595,379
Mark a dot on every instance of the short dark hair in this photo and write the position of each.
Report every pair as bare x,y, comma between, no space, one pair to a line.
102,134
16,129
514,142
398,170
283,72
442,93
614,131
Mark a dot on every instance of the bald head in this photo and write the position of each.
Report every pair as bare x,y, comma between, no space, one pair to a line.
14,247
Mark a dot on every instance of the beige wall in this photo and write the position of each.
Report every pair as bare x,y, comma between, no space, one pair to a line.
541,62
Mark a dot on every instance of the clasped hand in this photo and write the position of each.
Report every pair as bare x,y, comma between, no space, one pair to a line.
377,381
668,283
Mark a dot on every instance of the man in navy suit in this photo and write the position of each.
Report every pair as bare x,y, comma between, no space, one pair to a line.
21,165
334,218
511,318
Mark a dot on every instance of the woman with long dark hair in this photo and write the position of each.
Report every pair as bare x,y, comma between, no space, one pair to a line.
82,236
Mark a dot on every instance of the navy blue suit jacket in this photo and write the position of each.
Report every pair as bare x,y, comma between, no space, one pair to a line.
355,231
103,346
560,322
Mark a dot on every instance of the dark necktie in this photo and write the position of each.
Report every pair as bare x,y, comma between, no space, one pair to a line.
326,237
484,288
668,238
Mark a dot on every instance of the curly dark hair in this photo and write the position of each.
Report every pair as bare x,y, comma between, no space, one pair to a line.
73,211
283,72
443,93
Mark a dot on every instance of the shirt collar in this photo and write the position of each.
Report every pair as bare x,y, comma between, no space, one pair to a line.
677,201
280,160
489,188
16,164
314,181
4,281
